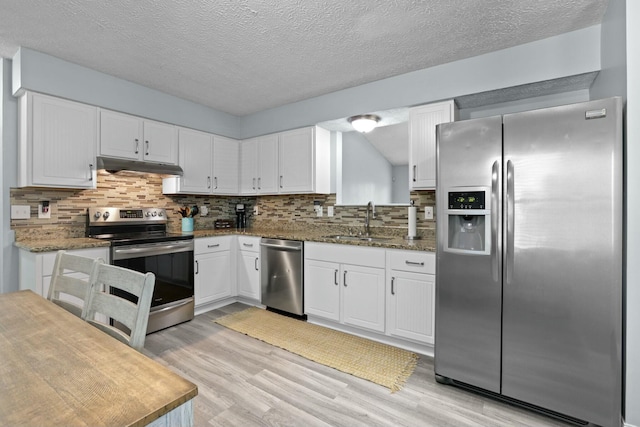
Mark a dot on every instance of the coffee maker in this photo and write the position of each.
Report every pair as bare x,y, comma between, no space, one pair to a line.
241,216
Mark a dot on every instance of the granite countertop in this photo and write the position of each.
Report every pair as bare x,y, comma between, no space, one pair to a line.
68,243
64,243
425,244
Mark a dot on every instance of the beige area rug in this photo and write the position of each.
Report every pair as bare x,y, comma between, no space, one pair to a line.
379,363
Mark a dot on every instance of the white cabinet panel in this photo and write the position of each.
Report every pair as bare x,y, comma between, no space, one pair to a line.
58,140
363,302
196,150
410,306
422,141
296,161
212,277
226,158
248,278
322,289
134,138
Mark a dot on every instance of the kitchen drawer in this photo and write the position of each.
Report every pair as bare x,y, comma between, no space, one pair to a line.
413,261
212,244
249,243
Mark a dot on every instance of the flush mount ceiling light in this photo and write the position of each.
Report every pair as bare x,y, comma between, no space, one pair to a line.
364,123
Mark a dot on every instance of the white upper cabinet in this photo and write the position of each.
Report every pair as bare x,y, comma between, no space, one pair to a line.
209,162
422,141
296,161
195,154
58,140
134,138
226,158
259,165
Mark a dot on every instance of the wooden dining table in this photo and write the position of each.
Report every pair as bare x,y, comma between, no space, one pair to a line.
57,370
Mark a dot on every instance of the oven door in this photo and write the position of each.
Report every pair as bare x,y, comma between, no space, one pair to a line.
172,264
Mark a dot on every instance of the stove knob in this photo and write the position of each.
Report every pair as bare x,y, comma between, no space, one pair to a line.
97,215
154,213
148,213
105,215
160,214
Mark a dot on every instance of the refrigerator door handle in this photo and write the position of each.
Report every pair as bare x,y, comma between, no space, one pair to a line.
495,219
509,248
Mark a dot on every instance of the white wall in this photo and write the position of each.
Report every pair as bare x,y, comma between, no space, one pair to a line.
8,178
565,55
366,173
43,73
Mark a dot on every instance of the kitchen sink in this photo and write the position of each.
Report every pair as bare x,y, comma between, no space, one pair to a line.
358,238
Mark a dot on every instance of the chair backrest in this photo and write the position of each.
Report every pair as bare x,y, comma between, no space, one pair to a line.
132,317
70,281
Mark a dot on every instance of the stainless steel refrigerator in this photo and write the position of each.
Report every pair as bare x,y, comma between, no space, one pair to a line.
529,258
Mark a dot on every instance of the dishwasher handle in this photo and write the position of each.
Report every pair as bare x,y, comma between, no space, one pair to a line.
285,247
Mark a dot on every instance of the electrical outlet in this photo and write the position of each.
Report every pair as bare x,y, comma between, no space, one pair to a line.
318,209
329,210
255,210
428,212
20,211
44,210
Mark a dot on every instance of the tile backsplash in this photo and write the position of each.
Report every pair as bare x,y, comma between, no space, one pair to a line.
132,189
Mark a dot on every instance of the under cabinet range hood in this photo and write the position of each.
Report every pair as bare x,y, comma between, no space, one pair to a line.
115,165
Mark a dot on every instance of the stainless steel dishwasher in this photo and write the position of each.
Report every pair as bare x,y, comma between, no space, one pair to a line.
281,275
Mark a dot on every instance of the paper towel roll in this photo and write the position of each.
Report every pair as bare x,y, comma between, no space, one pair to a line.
413,212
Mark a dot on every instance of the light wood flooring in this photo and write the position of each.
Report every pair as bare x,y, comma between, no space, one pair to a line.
246,382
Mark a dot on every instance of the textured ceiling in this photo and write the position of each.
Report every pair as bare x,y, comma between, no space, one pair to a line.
243,56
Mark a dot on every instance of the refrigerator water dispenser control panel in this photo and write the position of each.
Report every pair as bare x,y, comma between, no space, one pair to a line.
466,200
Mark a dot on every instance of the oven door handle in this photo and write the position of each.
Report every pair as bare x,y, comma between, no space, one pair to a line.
126,252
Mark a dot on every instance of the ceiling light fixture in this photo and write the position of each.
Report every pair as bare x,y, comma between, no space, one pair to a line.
364,123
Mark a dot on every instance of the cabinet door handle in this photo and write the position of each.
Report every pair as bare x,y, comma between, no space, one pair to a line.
280,181
249,245
254,183
90,171
197,267
215,182
213,246
393,291
137,145
256,264
147,144
335,277
414,172
419,264
208,182
344,279
259,183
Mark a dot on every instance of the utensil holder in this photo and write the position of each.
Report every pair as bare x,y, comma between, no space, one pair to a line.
187,224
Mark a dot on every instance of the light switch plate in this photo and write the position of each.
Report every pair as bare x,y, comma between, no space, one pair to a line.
20,211
329,210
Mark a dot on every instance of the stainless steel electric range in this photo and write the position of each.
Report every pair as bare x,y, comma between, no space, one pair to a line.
140,241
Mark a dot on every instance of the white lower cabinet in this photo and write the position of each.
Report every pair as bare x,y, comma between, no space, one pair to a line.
345,284
36,268
248,279
213,269
411,295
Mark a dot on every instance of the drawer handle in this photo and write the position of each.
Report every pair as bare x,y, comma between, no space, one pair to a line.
249,245
393,291
213,246
419,264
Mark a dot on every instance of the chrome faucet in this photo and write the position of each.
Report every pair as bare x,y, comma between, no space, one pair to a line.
367,221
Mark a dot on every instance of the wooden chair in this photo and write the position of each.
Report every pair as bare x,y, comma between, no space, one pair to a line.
130,318
70,281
